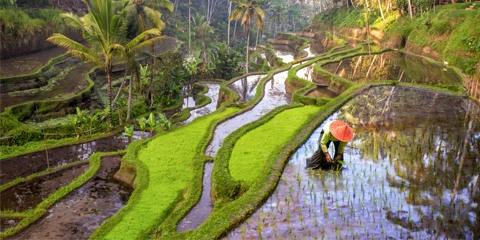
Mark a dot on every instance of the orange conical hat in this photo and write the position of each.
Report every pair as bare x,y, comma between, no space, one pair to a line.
341,131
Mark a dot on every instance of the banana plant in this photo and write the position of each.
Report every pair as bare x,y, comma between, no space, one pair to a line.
142,122
91,119
120,104
81,118
165,123
152,124
74,122
129,132
105,113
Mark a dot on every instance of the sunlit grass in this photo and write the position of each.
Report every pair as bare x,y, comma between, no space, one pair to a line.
252,150
168,159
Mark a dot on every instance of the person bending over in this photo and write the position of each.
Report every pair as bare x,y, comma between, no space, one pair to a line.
340,134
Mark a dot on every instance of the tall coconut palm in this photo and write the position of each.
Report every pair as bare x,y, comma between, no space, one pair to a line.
278,17
104,29
202,28
247,10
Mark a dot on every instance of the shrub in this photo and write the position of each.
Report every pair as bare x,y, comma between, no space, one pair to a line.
22,135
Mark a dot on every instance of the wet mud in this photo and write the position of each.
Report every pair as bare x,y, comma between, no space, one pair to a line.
81,212
322,92
28,195
28,64
411,172
392,65
64,87
6,223
24,165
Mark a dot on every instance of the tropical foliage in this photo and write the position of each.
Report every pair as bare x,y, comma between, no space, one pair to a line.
104,29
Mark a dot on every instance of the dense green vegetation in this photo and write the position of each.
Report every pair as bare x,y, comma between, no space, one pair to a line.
169,165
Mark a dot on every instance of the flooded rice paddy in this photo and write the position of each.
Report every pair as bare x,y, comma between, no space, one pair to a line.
275,95
27,164
213,91
246,87
411,172
28,64
393,65
80,213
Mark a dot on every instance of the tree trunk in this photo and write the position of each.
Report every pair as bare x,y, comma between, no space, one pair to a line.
234,28
381,12
109,94
189,14
256,40
228,31
204,51
121,86
410,9
248,43
129,97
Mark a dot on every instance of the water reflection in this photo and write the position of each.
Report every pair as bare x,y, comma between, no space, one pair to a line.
246,87
284,52
306,72
392,65
188,102
27,164
412,171
213,91
275,95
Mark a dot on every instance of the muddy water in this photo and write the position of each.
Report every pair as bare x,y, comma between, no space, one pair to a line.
323,92
24,165
275,95
62,87
28,195
309,52
81,212
411,149
246,87
213,91
393,65
305,73
28,63
284,52
202,210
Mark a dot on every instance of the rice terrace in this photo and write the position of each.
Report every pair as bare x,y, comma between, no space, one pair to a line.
244,119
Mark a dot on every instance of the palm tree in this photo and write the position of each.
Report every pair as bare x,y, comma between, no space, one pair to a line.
278,17
143,16
202,28
104,29
246,10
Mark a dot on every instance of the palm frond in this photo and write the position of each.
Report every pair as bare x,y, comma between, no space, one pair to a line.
75,48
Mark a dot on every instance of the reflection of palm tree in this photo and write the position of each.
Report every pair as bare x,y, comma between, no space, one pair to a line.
424,153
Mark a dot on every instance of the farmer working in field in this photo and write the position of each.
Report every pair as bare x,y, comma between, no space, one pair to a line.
340,134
